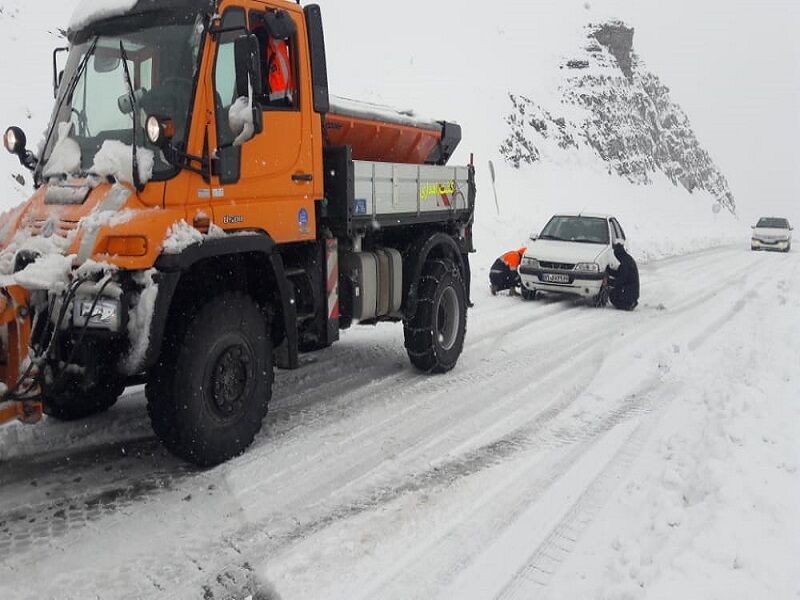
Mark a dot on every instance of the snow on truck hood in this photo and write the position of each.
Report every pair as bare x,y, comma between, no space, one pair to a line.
564,252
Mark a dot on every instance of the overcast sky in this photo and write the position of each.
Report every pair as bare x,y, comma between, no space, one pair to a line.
733,65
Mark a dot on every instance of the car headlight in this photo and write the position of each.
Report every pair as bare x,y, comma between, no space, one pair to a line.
588,267
105,314
530,262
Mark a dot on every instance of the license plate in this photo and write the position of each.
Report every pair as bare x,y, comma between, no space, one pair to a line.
555,278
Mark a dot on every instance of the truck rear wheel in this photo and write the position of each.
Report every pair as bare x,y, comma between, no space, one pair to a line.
435,336
73,402
209,395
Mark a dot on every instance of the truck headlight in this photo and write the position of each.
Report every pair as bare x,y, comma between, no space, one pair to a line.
104,314
530,262
588,267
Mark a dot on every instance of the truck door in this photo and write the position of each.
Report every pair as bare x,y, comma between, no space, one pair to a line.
269,182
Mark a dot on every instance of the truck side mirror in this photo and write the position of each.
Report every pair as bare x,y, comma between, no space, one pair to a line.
17,144
247,53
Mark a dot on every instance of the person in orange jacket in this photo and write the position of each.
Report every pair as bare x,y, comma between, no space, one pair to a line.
504,274
279,72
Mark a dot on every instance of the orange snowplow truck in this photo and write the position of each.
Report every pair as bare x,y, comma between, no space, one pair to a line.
205,212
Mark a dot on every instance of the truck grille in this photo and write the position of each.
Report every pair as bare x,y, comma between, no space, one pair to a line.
49,227
555,265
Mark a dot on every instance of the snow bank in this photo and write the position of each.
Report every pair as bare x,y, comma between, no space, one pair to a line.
88,11
240,119
115,159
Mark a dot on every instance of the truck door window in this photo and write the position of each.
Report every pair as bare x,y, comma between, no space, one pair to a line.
279,90
225,73
225,93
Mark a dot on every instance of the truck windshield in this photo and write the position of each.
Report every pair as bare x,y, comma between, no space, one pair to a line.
162,60
587,230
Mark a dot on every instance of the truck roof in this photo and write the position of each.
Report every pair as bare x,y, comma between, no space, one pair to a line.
91,11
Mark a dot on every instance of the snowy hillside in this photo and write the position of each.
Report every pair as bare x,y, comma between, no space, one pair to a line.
627,118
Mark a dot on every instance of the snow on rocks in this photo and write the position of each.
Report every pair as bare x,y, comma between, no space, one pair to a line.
115,159
89,11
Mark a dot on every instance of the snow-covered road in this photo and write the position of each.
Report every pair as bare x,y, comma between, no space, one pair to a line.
574,453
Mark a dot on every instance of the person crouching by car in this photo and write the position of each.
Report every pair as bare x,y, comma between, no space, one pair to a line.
624,281
504,274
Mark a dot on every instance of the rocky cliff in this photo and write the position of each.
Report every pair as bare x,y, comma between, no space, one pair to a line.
610,103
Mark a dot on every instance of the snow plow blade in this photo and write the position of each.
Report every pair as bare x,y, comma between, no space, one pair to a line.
20,397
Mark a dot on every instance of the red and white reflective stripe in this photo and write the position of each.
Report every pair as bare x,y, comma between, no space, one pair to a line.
332,258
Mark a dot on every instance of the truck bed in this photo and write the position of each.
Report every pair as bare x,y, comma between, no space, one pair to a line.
383,134
363,196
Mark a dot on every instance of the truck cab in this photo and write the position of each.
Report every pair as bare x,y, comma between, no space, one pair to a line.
206,211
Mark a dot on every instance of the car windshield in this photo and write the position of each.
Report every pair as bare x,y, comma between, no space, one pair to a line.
162,57
586,230
773,224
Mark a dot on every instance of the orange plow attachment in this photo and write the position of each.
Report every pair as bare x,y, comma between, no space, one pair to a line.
20,397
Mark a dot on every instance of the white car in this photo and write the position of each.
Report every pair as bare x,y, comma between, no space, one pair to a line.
571,256
772,234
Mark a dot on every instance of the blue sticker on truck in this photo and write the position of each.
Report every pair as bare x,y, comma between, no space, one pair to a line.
360,207
302,219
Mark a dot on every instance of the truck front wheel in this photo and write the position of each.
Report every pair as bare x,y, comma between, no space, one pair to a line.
435,336
209,394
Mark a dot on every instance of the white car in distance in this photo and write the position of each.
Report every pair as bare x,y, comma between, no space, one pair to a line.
772,233
571,256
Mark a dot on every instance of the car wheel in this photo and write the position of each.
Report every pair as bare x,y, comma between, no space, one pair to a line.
601,299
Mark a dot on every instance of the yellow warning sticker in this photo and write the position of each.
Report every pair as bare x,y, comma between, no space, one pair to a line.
430,190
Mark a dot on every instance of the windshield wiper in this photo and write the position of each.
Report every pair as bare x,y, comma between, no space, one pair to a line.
69,90
550,237
586,241
137,183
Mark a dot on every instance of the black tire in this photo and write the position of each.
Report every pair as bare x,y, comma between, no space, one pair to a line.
601,299
209,395
435,336
74,402
528,295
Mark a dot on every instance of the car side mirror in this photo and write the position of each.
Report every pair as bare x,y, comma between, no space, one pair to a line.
752,227
534,237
